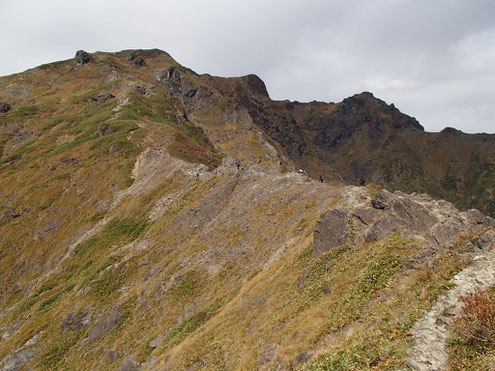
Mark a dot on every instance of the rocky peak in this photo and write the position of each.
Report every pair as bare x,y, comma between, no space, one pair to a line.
256,85
82,57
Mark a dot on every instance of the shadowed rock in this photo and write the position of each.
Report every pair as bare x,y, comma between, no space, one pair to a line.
332,230
82,57
4,107
102,98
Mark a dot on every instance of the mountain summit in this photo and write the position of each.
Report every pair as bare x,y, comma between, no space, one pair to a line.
154,218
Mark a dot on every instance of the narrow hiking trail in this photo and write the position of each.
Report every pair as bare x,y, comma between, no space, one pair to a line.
430,333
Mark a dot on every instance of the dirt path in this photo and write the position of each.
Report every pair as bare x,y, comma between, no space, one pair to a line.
431,332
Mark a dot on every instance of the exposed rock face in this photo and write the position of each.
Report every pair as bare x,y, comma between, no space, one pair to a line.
256,85
332,230
4,107
136,59
82,57
438,223
104,325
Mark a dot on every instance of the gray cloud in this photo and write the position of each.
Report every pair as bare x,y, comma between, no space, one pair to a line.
434,59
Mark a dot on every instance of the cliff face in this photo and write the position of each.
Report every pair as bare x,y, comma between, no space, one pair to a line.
151,218
364,140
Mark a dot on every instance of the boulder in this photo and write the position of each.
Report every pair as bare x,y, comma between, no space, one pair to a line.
484,240
104,325
332,230
4,107
102,97
82,57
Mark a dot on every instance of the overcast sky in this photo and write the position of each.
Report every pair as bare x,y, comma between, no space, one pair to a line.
435,59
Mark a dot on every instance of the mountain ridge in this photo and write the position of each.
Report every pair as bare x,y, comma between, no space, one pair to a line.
149,222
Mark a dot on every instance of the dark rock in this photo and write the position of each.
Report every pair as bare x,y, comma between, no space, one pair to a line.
382,200
102,97
484,240
82,57
76,322
4,107
139,89
104,326
256,85
104,129
332,230
190,92
128,365
171,78
139,62
132,56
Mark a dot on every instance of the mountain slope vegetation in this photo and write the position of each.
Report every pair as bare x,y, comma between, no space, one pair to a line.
151,218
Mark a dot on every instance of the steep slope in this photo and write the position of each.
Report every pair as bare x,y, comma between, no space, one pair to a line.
364,140
150,219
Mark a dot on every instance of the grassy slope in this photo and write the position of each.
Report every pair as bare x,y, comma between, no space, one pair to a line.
222,278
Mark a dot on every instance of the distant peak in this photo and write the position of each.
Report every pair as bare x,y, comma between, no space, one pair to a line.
256,85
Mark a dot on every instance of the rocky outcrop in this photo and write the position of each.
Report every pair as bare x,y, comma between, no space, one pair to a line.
82,57
332,230
102,97
434,223
104,325
431,332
